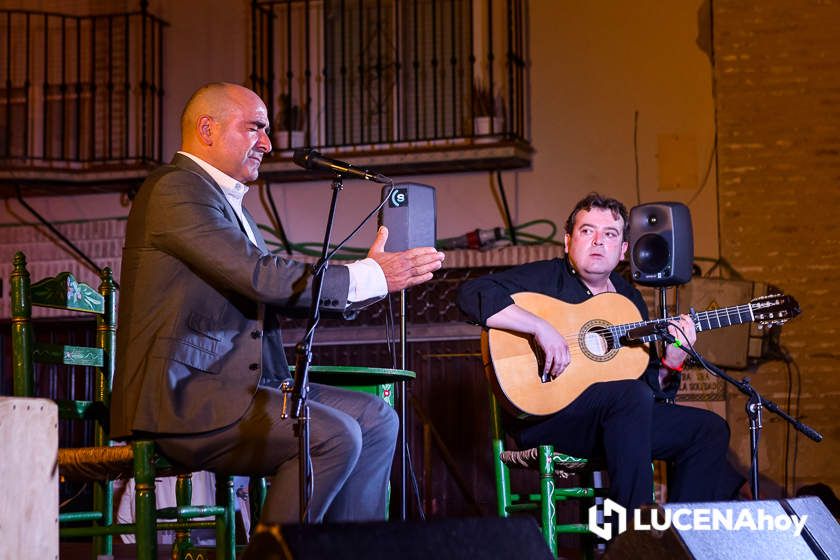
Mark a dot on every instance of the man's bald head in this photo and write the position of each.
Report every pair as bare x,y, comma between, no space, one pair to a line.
215,99
226,125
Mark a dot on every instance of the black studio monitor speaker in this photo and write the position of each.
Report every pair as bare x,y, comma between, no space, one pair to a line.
661,244
819,539
514,538
409,215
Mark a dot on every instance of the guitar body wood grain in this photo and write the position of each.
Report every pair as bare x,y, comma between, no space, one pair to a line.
513,369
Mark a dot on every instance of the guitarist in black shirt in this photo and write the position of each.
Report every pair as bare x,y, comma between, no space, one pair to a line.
627,422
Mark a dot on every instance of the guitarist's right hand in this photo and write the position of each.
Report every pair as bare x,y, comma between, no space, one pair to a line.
555,349
552,343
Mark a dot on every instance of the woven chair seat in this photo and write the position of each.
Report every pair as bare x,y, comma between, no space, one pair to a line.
105,463
564,465
96,463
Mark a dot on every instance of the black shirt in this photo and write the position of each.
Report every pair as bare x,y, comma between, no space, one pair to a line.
483,297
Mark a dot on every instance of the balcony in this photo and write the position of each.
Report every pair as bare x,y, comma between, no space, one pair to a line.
408,87
80,102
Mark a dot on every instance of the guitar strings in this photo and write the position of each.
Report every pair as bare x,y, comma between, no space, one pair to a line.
613,332
737,312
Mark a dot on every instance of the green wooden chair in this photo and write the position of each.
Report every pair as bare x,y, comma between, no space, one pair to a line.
102,462
550,465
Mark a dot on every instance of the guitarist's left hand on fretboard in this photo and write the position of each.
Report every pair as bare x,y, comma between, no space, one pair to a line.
684,330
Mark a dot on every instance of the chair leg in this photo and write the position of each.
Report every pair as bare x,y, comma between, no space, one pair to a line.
226,524
103,501
144,501
183,497
257,492
547,507
593,479
503,497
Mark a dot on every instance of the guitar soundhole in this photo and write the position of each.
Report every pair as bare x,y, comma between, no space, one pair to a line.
596,341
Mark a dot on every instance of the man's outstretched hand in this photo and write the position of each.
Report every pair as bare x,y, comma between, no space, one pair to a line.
406,268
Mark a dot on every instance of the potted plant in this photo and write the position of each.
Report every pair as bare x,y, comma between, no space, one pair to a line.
291,121
487,110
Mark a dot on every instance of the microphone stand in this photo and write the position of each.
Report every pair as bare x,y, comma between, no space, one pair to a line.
755,403
303,357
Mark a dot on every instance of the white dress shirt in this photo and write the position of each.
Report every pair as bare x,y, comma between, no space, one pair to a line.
367,281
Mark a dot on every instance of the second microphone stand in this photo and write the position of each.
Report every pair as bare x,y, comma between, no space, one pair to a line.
755,403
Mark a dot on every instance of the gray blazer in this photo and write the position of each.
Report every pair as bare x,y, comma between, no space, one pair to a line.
198,325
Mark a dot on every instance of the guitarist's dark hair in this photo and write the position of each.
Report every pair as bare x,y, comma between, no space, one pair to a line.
595,200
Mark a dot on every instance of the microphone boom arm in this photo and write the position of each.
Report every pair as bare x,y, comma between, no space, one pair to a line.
313,160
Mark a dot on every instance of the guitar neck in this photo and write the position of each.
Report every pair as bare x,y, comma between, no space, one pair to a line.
726,317
703,321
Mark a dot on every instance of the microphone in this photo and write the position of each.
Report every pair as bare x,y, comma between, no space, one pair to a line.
637,334
311,159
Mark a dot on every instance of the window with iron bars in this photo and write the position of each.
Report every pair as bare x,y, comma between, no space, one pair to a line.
374,74
80,90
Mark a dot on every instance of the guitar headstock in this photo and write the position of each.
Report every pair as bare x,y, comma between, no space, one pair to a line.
774,309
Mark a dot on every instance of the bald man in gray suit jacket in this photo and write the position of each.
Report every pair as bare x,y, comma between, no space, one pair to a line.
199,349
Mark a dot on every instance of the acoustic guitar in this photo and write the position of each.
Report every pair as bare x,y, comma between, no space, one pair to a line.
596,332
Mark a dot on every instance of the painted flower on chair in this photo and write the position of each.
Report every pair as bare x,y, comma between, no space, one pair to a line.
74,291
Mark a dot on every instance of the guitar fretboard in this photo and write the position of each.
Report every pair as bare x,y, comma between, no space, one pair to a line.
703,321
726,317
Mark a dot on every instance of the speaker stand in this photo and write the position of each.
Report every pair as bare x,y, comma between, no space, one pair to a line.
401,404
663,301
661,291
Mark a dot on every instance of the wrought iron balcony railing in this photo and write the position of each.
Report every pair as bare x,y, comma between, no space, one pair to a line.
411,85
79,95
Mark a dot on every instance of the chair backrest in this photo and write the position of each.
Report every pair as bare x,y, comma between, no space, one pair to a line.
98,462
63,291
497,436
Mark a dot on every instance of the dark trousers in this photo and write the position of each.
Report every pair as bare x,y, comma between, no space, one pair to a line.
352,440
621,422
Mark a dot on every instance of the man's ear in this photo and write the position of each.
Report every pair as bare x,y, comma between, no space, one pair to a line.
205,129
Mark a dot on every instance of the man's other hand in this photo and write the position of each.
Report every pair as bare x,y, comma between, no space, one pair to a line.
406,268
686,334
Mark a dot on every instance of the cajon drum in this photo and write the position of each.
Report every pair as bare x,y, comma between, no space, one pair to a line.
28,478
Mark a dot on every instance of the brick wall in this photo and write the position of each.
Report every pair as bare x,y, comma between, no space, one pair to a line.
777,73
